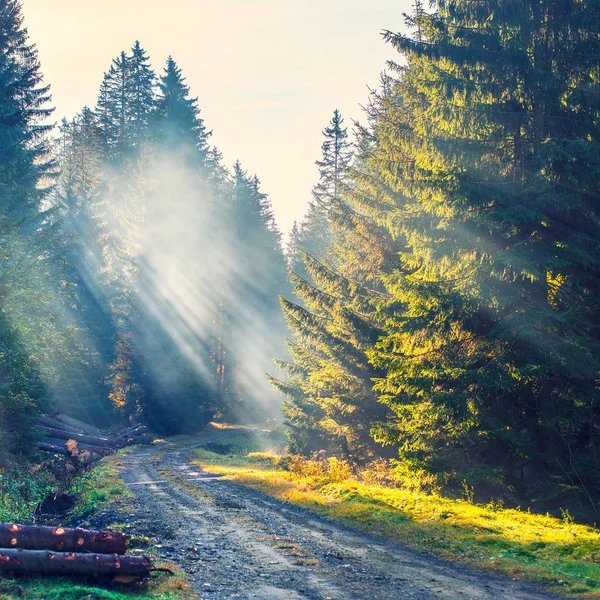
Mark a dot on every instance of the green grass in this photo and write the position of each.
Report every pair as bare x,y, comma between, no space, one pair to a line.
46,588
560,554
99,487
21,491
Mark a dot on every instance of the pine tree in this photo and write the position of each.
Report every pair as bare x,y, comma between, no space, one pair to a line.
330,402
335,162
24,151
142,94
114,108
255,322
79,194
35,334
178,116
488,171
314,234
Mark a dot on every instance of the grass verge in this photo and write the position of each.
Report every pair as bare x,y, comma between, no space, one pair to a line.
102,486
560,554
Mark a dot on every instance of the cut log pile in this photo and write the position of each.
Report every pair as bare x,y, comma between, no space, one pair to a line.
56,550
84,444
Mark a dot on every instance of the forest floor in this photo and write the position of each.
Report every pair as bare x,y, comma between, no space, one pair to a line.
235,542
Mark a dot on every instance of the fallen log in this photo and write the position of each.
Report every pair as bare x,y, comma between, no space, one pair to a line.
129,431
140,439
32,537
76,424
52,448
87,454
54,423
76,448
49,562
69,435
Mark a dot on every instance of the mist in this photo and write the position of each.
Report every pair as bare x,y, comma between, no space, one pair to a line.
177,261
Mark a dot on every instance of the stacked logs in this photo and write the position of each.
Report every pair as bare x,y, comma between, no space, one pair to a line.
56,550
82,443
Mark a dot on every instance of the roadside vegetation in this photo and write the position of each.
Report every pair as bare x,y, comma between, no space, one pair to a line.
99,490
557,552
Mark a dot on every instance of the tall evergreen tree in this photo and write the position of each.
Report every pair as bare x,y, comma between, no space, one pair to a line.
334,163
330,402
114,107
178,116
488,170
34,331
314,235
142,94
24,157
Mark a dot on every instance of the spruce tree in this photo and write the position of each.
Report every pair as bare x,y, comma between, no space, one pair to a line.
335,162
330,402
178,116
314,235
24,150
142,94
79,194
488,173
114,108
255,319
35,331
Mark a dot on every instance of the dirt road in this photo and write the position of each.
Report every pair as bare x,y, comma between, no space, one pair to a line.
237,543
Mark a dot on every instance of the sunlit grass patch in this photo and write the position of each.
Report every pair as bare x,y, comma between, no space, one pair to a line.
559,553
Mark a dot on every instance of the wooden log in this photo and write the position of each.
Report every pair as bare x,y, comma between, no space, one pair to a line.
33,537
52,448
69,435
50,422
76,448
76,424
49,562
129,431
89,458
140,439
72,447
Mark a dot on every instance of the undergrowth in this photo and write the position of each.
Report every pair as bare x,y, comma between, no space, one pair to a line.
21,491
559,553
99,486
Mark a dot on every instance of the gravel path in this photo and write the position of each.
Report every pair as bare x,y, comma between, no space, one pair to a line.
234,542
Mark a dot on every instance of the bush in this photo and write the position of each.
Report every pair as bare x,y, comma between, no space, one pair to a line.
333,469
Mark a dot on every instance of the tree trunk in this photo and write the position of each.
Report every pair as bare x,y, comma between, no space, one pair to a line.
75,424
31,537
79,437
65,563
56,424
74,447
129,432
47,447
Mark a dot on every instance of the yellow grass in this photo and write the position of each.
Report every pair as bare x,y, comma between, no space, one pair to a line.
558,553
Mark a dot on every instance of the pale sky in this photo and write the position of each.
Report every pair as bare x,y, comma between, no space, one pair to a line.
268,74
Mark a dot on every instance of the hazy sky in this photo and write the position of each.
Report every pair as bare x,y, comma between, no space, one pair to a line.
268,74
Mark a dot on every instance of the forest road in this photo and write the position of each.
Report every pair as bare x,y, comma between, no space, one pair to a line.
234,542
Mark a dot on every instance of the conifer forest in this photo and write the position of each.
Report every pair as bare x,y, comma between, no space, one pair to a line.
431,325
